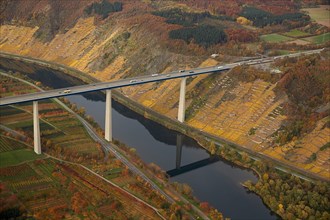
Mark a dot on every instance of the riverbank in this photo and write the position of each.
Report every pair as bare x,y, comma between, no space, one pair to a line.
198,135
206,141
146,175
202,137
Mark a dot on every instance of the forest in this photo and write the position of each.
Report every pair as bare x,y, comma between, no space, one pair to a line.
195,29
261,18
204,35
104,8
178,16
306,84
287,195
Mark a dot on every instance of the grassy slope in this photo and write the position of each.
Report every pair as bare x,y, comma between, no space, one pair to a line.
296,33
320,15
85,47
319,39
24,173
275,38
18,156
13,152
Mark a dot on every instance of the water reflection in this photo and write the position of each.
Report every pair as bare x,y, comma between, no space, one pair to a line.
191,166
217,183
178,151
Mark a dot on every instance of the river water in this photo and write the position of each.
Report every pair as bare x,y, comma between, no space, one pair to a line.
217,183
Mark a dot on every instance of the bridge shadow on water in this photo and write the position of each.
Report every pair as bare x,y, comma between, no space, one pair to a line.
57,79
222,183
189,167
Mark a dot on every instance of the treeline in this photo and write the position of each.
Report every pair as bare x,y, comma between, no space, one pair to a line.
205,35
195,31
292,197
104,8
178,16
247,73
262,18
289,196
187,19
241,35
306,84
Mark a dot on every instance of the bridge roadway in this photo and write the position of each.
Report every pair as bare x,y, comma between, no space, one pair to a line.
137,80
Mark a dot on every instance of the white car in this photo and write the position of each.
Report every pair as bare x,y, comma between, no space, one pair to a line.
155,74
220,67
133,81
67,91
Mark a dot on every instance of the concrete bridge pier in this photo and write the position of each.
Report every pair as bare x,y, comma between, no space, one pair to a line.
36,128
182,101
108,116
178,151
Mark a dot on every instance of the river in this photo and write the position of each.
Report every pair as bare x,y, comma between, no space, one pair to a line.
218,183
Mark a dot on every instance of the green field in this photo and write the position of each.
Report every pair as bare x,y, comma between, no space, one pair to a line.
275,38
319,39
296,33
18,156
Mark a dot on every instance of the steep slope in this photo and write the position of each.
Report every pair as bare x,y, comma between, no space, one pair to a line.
241,106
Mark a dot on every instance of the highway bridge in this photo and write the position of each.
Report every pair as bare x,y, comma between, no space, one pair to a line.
183,74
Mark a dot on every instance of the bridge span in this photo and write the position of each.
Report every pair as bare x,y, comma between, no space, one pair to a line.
183,74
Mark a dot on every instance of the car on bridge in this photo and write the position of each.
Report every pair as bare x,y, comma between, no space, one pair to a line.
181,71
133,81
155,74
220,67
66,91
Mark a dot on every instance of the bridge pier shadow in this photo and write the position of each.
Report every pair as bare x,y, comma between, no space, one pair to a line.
192,166
178,151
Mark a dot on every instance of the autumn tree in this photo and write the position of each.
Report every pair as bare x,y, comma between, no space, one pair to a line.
212,148
243,21
78,203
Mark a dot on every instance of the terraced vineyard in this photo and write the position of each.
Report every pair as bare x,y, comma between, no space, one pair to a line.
49,184
42,184
56,124
13,152
9,144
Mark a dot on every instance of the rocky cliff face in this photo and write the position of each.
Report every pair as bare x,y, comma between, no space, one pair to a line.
135,42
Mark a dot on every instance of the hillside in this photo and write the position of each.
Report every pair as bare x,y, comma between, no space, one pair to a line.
248,106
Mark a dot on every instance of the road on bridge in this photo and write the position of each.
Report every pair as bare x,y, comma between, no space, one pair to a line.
109,147
138,80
